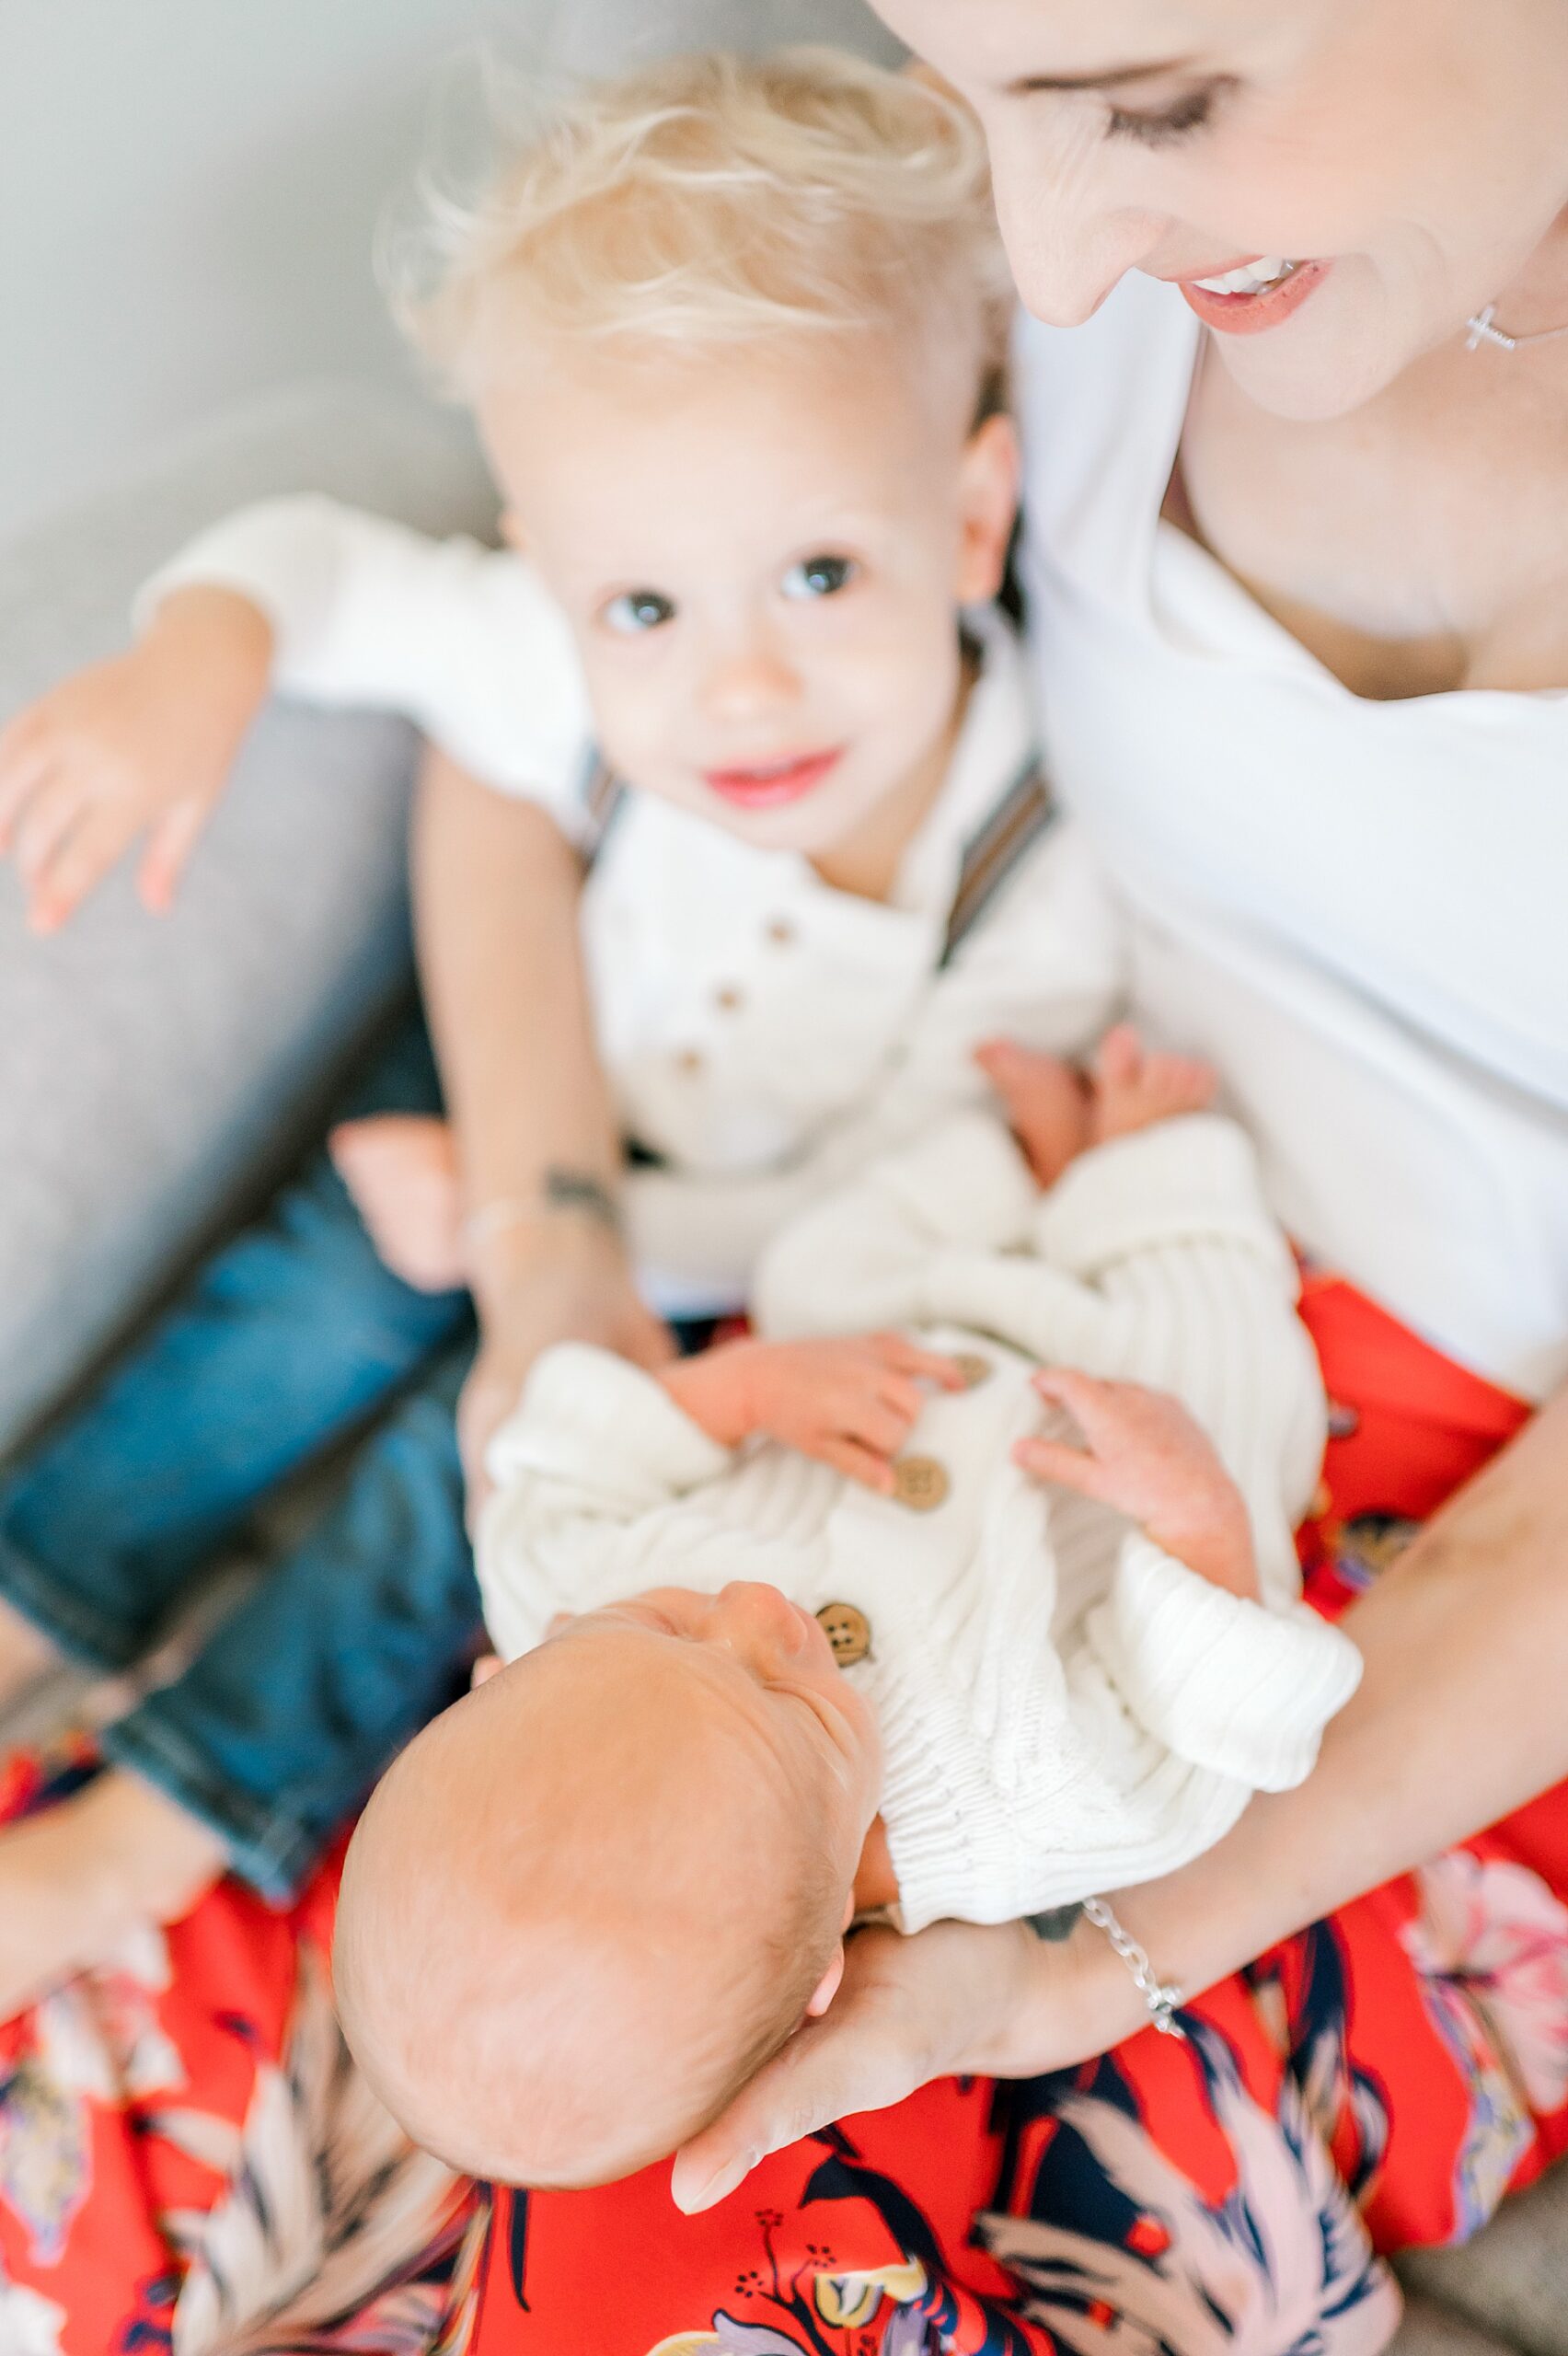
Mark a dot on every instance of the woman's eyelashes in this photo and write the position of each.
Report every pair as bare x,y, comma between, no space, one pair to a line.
1181,119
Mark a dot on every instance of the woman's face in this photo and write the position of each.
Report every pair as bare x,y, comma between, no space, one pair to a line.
1409,156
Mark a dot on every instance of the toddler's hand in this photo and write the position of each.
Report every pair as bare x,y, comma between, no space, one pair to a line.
1144,1454
402,1169
850,1402
143,744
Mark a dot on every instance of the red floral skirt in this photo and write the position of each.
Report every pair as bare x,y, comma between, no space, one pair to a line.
189,2161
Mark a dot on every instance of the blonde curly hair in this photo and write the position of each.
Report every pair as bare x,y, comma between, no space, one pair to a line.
718,198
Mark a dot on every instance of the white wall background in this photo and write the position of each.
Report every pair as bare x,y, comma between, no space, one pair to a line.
189,191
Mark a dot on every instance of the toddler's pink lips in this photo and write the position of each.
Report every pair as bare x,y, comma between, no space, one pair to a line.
1254,314
770,787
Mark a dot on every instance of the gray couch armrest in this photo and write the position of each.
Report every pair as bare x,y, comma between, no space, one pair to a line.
150,1070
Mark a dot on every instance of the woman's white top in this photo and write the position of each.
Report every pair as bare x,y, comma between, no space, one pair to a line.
765,1034
1064,1708
1359,909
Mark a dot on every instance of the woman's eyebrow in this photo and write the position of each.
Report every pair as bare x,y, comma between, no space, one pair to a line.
1110,78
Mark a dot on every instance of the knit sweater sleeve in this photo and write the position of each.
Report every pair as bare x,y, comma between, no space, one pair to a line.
462,640
1118,1760
579,1471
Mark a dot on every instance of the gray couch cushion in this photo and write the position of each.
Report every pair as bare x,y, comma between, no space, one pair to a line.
148,1068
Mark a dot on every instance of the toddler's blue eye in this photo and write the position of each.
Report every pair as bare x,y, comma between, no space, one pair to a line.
636,611
819,576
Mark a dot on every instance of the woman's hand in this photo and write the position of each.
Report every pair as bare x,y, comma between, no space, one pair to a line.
955,1999
139,746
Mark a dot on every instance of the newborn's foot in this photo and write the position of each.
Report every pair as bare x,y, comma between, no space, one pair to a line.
25,1655
78,1878
1134,1089
402,1169
1047,1104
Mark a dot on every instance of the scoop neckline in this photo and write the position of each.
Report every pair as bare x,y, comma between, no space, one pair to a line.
1282,643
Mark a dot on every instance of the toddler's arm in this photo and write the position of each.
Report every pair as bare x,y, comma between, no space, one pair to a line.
496,896
461,639
322,602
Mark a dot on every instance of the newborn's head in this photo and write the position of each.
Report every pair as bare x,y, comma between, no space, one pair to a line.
593,1896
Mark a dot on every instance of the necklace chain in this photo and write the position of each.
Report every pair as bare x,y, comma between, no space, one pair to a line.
1485,329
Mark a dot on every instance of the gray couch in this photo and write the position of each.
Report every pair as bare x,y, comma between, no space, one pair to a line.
152,1073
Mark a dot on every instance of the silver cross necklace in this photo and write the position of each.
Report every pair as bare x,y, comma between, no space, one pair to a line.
1485,329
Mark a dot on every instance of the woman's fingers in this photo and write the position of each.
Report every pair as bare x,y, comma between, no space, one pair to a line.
851,2060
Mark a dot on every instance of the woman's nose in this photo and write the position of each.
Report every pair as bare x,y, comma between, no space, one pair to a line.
1070,237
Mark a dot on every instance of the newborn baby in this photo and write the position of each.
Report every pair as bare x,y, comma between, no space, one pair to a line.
771,1669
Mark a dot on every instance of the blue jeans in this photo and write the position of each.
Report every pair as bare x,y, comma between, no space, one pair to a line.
290,1338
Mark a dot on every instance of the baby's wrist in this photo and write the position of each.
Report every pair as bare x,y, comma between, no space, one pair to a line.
712,1389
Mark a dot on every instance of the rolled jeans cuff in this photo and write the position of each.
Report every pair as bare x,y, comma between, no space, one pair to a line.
92,1639
267,1846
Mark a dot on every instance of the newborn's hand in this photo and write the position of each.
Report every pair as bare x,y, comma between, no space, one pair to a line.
141,744
850,1402
402,1169
1144,1455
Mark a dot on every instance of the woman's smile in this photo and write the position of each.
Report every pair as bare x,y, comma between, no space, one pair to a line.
1252,297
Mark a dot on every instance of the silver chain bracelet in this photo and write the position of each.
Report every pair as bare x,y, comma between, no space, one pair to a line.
1162,1997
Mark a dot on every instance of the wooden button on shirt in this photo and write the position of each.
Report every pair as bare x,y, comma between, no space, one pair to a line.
920,1483
847,1630
974,1369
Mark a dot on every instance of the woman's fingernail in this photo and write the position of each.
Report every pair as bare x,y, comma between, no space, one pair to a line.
718,2186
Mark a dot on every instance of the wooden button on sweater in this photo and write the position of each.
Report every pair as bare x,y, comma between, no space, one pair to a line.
847,1630
974,1369
919,1482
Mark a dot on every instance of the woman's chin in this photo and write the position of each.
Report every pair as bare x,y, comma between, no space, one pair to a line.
1341,350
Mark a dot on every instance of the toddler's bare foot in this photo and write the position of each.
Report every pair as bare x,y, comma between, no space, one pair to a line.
1047,1104
402,1169
76,1880
26,1655
1134,1089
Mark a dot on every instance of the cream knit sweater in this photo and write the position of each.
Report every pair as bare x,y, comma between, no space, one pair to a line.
1064,1708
